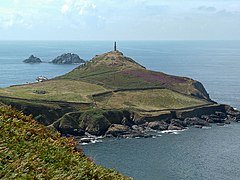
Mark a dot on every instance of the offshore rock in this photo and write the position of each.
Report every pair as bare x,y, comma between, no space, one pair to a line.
32,60
68,58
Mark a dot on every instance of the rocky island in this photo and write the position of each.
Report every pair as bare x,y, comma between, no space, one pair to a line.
114,96
32,60
68,58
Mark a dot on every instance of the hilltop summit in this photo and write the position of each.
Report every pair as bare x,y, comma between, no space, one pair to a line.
116,59
115,71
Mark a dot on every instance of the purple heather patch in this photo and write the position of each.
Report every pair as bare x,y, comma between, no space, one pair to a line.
156,77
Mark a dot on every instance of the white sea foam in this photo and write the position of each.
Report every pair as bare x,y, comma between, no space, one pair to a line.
172,131
84,143
206,127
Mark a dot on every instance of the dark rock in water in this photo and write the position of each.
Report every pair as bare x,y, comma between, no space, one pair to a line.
158,125
68,58
174,127
32,59
117,130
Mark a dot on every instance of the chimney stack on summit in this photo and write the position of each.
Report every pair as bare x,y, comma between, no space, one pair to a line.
115,46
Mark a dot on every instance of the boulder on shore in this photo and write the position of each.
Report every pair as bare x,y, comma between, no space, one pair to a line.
158,125
68,58
32,59
174,127
117,130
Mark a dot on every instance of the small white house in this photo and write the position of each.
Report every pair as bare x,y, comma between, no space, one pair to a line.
41,79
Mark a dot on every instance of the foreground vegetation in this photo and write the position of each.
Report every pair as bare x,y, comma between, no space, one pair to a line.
29,150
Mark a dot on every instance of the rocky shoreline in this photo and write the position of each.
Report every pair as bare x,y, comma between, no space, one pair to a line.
149,129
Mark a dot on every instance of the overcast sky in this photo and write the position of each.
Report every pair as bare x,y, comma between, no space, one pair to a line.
119,19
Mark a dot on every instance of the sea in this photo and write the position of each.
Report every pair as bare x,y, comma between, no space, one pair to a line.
193,154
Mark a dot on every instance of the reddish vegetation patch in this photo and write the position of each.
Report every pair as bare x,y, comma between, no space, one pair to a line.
156,77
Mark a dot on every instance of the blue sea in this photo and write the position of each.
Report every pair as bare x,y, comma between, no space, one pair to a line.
194,154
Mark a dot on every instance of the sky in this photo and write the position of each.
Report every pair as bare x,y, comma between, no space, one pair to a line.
119,19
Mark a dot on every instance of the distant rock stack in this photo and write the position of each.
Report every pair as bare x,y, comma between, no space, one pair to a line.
32,59
68,58
115,46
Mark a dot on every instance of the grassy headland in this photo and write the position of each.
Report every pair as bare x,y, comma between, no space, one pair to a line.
111,84
110,72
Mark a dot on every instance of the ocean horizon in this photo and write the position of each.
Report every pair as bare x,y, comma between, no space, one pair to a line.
213,63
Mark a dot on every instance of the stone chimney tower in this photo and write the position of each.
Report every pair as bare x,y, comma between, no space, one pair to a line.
115,46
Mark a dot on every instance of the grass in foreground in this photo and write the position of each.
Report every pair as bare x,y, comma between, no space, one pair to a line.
29,150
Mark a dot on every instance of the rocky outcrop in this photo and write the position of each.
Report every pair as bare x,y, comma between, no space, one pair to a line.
32,60
196,121
158,125
117,130
68,58
174,127
199,111
69,124
94,122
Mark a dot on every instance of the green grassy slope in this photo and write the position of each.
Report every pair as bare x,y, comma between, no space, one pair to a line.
115,71
56,90
30,151
156,99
